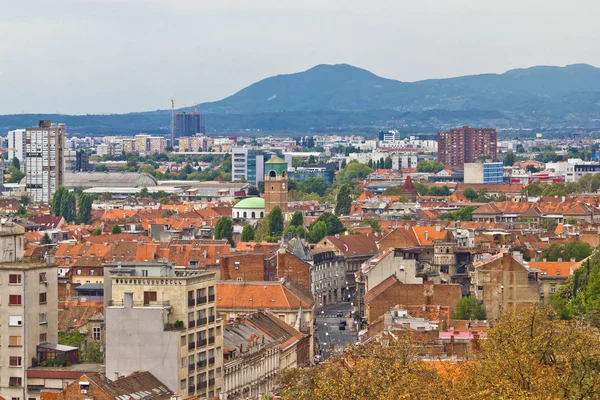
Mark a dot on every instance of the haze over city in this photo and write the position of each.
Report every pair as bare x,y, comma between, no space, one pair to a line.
78,57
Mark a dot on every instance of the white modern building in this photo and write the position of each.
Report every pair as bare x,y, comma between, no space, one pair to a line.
16,146
44,160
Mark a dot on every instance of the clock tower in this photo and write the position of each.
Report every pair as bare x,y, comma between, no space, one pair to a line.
276,185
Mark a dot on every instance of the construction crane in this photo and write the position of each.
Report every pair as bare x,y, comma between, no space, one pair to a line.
172,122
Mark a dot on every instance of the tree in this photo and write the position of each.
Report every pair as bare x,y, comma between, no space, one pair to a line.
469,308
353,172
84,212
439,191
332,223
224,229
310,143
465,214
275,222
25,200
573,250
15,163
253,191
343,200
387,164
297,219
374,224
68,206
520,148
16,175
144,193
101,168
470,193
548,224
317,231
55,204
97,232
46,239
313,185
509,159
21,211
116,229
430,166
248,233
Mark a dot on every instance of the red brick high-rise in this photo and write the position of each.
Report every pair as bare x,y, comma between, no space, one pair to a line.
465,145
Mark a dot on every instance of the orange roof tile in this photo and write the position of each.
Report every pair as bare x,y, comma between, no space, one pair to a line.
257,295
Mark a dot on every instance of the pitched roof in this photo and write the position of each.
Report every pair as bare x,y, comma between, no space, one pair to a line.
130,386
352,245
257,295
555,268
382,287
74,315
47,221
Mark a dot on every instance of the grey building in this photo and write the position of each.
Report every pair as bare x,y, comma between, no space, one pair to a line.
325,171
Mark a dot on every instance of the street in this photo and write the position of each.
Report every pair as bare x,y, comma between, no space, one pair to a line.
329,338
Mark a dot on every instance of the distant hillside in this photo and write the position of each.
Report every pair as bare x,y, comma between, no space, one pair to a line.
345,98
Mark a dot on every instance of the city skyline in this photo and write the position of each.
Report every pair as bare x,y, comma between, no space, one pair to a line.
117,56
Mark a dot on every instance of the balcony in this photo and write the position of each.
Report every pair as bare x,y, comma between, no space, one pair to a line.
191,324
191,367
211,319
202,300
191,303
211,340
211,361
201,342
211,382
211,297
202,321
191,346
191,389
202,385
201,364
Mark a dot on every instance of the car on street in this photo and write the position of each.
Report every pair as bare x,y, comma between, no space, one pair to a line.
342,327
340,314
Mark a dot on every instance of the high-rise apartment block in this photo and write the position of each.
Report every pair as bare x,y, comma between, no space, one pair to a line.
193,143
164,321
28,315
128,145
188,124
466,145
44,160
146,144
16,146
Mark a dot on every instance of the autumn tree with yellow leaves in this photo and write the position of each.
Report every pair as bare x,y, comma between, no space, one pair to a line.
529,354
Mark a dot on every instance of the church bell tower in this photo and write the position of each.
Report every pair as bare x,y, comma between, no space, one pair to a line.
276,185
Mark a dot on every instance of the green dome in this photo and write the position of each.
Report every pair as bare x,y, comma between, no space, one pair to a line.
276,160
251,202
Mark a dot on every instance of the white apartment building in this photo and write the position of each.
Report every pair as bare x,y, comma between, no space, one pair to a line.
164,321
44,160
16,146
399,160
28,315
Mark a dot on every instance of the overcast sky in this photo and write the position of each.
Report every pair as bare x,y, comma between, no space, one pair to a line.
102,56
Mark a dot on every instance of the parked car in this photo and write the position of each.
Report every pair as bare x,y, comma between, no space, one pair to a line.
340,314
342,327
343,322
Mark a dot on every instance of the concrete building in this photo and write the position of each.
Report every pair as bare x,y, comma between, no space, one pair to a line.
164,321
503,283
156,144
141,143
465,145
400,161
328,277
325,171
16,146
248,164
391,262
188,124
484,172
575,169
128,145
28,314
44,160
193,143
276,190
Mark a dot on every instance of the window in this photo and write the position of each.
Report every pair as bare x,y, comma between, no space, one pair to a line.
183,341
43,278
182,384
144,272
78,272
14,300
14,381
183,362
96,333
43,337
43,298
14,361
14,341
14,279
236,265
43,318
149,297
240,279
91,272
553,289
15,320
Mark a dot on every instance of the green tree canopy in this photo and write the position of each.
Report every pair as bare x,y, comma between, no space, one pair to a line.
116,229
97,232
224,229
248,233
430,166
509,159
275,222
332,223
313,185
15,163
373,223
469,308
354,171
470,193
465,214
46,239
343,200
84,211
297,219
16,175
317,231
573,250
101,168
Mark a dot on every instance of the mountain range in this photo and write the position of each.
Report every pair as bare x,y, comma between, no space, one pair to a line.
346,98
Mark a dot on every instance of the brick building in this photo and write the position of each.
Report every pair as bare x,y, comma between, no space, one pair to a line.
465,145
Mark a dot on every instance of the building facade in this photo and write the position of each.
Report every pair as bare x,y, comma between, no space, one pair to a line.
175,312
465,145
188,124
28,315
16,146
44,160
484,172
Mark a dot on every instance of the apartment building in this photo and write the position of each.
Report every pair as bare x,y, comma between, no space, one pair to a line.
465,145
16,146
164,321
128,145
28,316
44,160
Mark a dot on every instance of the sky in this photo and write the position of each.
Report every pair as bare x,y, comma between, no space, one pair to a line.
117,56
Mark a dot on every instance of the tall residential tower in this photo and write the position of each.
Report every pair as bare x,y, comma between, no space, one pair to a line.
466,145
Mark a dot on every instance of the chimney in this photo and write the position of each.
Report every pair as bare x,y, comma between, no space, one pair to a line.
426,235
560,260
572,259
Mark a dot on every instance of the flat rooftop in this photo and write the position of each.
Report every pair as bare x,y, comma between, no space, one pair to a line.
24,265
